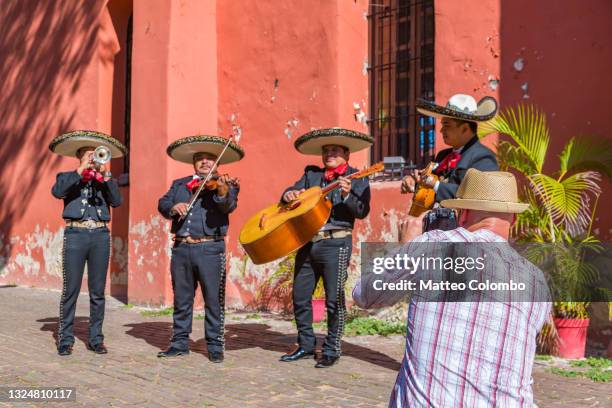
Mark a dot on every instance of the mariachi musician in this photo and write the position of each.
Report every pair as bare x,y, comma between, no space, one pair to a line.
327,255
459,120
198,254
87,192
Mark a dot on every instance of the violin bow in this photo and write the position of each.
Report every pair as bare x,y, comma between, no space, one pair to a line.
206,179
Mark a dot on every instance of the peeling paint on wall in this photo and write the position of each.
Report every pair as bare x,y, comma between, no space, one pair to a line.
359,115
35,253
493,82
236,128
525,89
291,126
519,64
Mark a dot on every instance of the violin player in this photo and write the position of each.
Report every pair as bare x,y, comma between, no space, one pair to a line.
198,253
87,192
459,119
328,254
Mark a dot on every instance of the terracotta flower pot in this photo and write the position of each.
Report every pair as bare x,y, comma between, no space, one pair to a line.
318,310
572,337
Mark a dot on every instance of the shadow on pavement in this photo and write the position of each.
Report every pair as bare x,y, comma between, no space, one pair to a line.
252,335
80,328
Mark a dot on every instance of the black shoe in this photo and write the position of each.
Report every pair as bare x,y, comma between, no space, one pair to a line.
297,354
326,361
172,352
64,350
99,348
215,356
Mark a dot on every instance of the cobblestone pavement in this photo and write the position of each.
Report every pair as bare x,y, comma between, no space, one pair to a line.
132,375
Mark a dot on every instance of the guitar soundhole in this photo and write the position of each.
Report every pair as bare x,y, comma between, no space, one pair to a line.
293,205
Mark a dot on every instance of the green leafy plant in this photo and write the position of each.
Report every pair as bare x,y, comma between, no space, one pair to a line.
276,288
594,368
167,311
279,284
319,292
358,325
562,202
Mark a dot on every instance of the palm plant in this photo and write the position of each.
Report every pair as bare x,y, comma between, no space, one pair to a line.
562,203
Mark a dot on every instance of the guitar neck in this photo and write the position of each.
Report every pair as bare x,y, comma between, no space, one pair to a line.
359,174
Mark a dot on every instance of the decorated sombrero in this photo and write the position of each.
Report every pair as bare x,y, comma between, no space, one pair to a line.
183,149
69,143
312,142
462,107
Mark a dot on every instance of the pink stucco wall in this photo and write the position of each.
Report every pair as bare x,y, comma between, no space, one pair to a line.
566,55
264,72
57,67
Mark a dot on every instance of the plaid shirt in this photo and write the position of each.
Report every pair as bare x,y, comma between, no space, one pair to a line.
465,354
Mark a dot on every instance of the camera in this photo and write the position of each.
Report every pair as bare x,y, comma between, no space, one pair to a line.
439,218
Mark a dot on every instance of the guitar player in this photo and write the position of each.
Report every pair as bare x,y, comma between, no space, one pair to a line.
327,255
459,119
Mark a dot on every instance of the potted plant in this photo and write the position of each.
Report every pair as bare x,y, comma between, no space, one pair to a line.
318,302
562,208
276,290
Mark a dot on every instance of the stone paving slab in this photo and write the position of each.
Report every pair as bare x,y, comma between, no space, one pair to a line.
132,376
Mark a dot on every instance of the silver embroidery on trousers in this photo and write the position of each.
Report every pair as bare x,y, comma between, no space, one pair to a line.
222,273
63,297
343,260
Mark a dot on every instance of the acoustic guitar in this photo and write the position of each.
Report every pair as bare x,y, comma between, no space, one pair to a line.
280,229
424,196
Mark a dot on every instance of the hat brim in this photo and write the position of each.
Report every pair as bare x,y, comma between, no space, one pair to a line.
69,144
183,149
484,205
486,110
312,143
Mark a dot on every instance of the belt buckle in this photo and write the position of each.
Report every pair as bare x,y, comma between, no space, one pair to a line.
90,224
320,235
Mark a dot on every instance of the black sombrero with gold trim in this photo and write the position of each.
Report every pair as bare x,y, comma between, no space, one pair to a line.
312,142
69,143
462,107
183,149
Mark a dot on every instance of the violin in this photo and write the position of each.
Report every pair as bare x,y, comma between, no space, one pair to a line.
212,184
209,177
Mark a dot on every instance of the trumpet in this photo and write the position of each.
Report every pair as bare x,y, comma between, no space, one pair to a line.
101,155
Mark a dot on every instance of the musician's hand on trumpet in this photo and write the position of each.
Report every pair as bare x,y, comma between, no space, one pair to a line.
86,161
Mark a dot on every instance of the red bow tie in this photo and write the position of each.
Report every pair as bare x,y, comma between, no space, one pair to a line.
331,174
89,174
192,184
448,163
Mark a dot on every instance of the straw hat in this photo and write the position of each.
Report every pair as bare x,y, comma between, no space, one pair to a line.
69,144
461,107
183,149
494,191
312,143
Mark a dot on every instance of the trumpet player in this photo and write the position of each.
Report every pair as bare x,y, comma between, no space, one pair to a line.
87,192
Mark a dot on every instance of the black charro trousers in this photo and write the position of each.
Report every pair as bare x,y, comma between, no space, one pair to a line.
202,263
83,247
327,259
